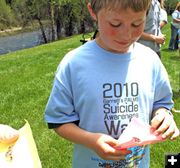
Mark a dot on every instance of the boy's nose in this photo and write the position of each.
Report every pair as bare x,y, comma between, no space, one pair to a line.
126,33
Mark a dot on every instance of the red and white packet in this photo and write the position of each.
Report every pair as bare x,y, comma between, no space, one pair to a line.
138,133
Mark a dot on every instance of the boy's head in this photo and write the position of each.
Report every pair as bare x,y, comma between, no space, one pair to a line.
135,5
120,22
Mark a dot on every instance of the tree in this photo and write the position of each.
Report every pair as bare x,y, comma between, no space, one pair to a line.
170,5
85,18
39,12
51,4
56,14
28,10
66,15
6,15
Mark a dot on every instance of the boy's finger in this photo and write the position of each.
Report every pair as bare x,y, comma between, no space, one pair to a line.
157,120
169,132
176,134
167,122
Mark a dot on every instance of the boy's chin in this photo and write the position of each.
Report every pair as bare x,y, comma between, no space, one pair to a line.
123,50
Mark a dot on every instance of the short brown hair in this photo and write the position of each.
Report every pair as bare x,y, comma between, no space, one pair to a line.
161,3
135,5
178,6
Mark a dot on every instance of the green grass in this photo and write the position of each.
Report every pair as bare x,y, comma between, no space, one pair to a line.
171,60
25,83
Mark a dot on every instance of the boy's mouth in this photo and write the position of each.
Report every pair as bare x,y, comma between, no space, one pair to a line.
123,43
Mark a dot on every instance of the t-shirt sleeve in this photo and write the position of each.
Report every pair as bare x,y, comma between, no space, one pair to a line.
60,107
175,15
163,16
163,91
55,125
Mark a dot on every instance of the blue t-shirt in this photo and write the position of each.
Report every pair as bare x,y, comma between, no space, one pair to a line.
104,90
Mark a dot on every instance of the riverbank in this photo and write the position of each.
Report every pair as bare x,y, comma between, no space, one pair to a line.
17,38
31,26
13,29
16,30
10,31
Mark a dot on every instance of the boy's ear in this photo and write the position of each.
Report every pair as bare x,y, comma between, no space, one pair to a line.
93,15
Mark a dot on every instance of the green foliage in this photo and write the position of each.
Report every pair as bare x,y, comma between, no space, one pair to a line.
6,15
72,12
19,7
170,5
27,10
67,14
38,8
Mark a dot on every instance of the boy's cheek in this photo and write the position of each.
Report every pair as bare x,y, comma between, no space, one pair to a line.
139,31
111,33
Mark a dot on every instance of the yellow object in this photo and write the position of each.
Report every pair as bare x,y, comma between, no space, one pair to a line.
22,153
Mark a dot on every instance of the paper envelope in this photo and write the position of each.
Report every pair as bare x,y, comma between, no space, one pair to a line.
22,153
138,133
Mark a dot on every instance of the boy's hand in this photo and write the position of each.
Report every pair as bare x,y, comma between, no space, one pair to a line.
164,123
8,134
103,146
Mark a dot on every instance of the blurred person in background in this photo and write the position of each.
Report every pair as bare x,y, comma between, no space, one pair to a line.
152,36
163,14
175,25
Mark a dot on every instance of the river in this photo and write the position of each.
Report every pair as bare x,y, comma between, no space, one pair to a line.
20,41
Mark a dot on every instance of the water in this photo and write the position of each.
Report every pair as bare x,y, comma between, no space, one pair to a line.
20,41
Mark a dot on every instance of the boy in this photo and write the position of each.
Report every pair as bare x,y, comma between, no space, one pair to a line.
100,86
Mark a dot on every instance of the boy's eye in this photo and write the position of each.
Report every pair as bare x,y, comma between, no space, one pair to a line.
115,25
136,25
